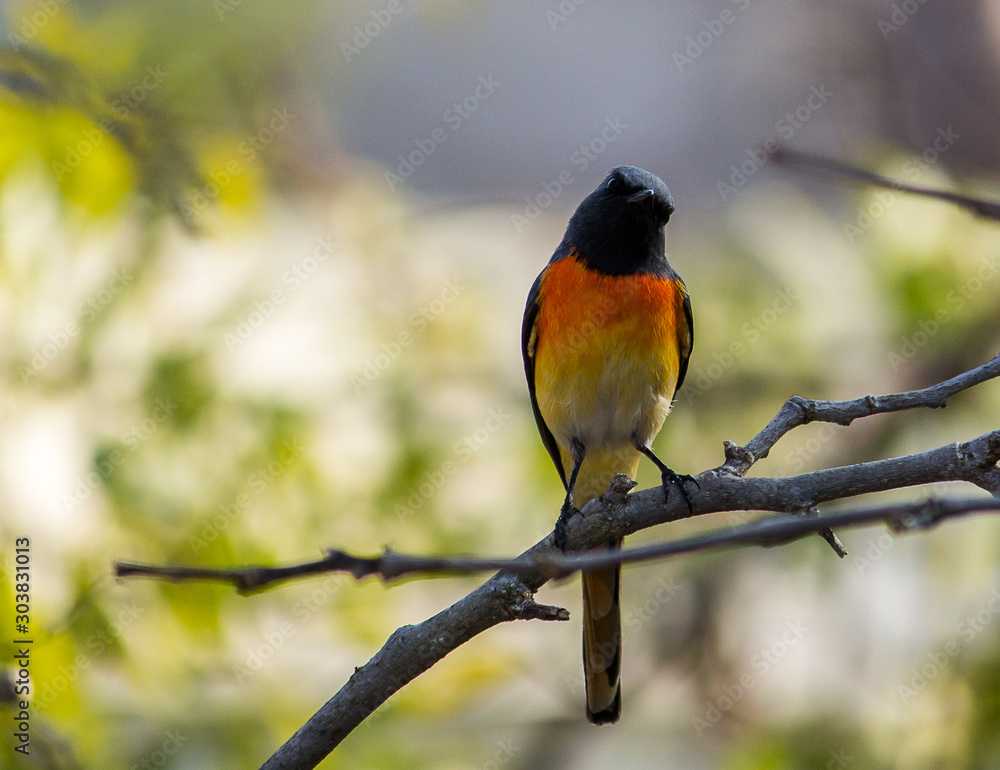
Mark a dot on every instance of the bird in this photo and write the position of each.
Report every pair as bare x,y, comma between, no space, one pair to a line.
606,338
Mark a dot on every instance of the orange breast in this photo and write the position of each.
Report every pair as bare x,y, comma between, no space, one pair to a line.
607,353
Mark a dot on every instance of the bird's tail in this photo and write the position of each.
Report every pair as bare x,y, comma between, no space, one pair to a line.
602,642
602,620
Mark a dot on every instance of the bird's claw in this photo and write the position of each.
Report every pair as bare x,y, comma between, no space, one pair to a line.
560,529
669,478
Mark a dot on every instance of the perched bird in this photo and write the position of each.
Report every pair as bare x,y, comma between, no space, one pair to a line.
606,338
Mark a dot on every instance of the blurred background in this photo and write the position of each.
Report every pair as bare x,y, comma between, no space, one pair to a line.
262,270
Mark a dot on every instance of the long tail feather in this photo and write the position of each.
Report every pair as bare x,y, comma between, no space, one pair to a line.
602,643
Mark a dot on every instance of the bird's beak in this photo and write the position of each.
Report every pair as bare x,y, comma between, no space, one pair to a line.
640,196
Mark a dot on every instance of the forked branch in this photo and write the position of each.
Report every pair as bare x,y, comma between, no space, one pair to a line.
508,595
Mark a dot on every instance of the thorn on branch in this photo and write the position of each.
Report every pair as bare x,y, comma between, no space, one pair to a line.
831,537
736,457
531,610
826,533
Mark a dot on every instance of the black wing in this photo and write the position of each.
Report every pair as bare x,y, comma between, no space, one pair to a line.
529,341
685,341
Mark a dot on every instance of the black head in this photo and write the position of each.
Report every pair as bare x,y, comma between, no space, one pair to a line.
618,228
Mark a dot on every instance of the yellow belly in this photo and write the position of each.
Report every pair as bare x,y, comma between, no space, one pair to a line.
606,365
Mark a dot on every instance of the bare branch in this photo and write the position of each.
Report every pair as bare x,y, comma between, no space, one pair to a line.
799,411
409,652
978,206
809,489
545,560
508,595
413,649
782,529
388,566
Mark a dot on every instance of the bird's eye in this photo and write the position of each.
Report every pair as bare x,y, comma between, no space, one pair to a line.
612,183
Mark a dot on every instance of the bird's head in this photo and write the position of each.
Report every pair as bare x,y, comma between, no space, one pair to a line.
618,228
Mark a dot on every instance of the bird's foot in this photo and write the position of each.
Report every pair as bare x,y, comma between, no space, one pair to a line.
567,512
671,479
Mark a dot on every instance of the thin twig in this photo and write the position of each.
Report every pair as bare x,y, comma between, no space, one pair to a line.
767,531
795,412
978,206
388,566
799,411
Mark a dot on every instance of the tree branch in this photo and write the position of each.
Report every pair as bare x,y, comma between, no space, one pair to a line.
413,649
508,595
799,411
768,531
973,462
978,206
